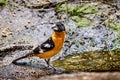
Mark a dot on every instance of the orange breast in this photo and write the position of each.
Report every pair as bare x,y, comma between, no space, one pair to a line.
58,38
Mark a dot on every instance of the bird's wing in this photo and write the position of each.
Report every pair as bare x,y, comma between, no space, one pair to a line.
46,46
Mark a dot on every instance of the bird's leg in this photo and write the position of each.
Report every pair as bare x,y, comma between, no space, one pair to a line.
48,63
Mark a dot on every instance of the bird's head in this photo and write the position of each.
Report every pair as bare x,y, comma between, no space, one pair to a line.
59,27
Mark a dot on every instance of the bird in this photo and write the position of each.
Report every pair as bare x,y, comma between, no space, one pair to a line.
51,46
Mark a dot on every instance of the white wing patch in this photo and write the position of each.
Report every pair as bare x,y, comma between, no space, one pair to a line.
47,45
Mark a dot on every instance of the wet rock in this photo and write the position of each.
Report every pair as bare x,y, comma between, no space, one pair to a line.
91,61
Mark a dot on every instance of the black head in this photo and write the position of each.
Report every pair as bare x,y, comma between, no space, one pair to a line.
59,27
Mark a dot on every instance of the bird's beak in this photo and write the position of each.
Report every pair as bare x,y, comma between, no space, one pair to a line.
55,28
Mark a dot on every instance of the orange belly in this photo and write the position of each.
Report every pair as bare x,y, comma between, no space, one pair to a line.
58,41
49,54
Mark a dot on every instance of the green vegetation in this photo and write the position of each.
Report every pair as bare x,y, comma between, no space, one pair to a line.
81,22
115,25
87,14
80,10
78,13
113,22
2,3
91,61
92,14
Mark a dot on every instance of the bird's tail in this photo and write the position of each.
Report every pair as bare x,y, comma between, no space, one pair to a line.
28,54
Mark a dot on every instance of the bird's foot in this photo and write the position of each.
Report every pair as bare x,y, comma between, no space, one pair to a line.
61,58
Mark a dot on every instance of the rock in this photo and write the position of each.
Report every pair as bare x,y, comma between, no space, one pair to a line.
6,32
32,26
15,72
91,61
85,76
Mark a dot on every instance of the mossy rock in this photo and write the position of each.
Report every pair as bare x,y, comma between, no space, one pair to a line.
91,61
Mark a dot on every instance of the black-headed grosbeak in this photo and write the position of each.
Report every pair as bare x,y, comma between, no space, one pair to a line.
51,46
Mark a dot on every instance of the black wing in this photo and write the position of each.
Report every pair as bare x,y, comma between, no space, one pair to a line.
46,46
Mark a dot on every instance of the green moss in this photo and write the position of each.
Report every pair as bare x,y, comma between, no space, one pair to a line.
2,3
78,12
81,22
114,26
91,61
58,7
